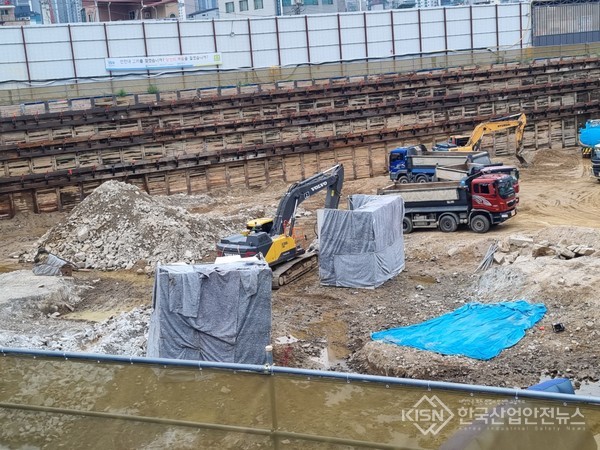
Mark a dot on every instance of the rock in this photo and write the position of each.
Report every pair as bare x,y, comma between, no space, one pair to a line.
83,234
419,287
453,251
542,250
566,253
79,257
521,259
520,241
499,258
585,251
504,246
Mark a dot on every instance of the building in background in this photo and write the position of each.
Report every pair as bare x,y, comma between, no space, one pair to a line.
231,9
203,5
67,11
205,14
117,10
266,8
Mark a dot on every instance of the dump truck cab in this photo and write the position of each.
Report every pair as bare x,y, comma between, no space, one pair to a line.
493,192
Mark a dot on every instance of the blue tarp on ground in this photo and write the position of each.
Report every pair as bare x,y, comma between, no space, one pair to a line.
476,330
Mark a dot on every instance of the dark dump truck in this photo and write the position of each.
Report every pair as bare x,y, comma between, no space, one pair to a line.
418,165
479,202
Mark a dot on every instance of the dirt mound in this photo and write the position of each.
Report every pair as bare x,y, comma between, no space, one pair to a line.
119,226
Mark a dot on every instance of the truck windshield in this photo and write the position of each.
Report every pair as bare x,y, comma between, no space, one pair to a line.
396,157
505,188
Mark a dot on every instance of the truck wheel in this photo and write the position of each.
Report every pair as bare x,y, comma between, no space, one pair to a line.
403,179
448,224
422,179
407,225
480,224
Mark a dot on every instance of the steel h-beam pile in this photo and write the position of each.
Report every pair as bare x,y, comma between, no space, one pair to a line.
51,161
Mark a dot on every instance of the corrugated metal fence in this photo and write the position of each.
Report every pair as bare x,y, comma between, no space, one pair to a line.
78,51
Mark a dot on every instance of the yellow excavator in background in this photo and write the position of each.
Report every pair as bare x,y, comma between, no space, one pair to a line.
274,239
472,143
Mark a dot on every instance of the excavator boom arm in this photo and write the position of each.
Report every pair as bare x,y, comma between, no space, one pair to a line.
331,179
517,121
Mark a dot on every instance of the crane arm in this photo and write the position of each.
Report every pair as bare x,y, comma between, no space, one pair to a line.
331,179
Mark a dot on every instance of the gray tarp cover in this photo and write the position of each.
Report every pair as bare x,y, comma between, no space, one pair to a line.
362,247
212,312
51,266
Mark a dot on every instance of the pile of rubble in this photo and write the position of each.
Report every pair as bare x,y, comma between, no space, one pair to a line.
522,248
119,226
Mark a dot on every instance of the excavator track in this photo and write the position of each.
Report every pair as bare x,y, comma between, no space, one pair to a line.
294,269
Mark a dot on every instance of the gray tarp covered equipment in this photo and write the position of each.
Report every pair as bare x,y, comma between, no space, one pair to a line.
49,265
212,312
361,247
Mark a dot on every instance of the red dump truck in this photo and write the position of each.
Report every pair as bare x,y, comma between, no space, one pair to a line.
479,201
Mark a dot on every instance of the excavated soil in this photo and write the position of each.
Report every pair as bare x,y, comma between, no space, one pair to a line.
324,327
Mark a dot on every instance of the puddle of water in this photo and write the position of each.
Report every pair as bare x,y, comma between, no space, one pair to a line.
425,279
335,335
7,268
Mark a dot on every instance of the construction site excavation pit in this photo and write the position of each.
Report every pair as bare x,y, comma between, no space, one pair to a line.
549,253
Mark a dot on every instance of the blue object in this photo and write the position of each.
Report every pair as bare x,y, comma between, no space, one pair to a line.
476,330
559,385
590,135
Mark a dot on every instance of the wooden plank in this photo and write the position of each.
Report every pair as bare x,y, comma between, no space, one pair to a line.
378,158
65,161
17,168
6,211
361,162
12,138
47,200
275,168
157,184
198,180
310,164
256,173
236,175
292,168
23,201
42,164
70,196
216,177
176,182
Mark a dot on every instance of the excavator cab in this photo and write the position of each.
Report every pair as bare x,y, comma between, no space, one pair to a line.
459,140
274,238
264,224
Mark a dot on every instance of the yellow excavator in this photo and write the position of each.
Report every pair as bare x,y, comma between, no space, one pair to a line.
274,239
472,143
